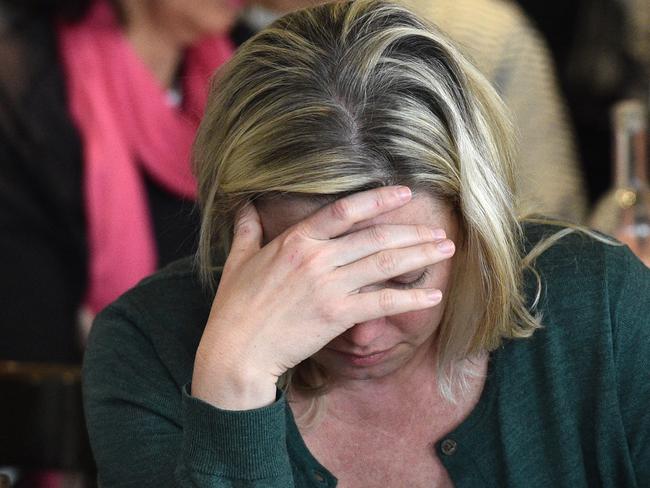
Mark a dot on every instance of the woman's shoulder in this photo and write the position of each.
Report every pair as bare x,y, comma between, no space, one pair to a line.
172,292
159,322
588,283
582,375
575,250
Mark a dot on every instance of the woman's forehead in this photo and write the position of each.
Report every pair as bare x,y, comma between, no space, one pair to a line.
277,215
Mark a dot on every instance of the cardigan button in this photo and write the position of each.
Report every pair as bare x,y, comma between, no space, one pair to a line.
448,447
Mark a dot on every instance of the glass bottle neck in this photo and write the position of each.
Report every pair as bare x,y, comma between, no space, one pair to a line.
630,144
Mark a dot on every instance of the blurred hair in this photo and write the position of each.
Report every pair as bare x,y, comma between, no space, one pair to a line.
355,95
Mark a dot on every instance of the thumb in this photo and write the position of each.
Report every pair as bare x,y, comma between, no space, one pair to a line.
247,234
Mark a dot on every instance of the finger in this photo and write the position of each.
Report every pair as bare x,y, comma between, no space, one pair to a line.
339,216
391,263
376,238
386,302
247,234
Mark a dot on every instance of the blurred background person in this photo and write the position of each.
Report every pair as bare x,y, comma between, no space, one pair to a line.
257,14
602,52
99,102
511,53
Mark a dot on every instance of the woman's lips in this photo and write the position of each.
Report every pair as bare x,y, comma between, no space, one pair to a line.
362,360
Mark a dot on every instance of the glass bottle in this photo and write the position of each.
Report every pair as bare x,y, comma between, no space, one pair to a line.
624,212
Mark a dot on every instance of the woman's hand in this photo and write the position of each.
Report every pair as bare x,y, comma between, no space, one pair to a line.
277,305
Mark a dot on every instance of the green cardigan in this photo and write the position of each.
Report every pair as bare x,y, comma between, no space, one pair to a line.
569,407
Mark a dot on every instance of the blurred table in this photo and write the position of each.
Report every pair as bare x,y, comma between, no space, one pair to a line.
41,418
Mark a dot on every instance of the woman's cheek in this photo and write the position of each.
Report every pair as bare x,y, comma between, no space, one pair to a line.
418,322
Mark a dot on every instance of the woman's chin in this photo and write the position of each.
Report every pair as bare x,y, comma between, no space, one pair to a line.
342,366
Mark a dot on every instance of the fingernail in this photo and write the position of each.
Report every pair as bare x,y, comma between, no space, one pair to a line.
446,246
434,295
439,234
404,193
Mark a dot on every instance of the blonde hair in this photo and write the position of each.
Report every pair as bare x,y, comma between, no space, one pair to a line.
354,95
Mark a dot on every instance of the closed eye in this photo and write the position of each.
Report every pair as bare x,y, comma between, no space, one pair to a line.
409,281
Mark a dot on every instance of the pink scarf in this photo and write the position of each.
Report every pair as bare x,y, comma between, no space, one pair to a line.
127,127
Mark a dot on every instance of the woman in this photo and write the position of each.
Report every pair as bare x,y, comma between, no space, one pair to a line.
99,104
381,319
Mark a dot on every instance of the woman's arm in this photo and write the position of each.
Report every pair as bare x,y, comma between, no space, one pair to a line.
147,432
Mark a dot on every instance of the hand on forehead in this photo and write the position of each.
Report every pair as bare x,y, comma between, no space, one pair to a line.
279,213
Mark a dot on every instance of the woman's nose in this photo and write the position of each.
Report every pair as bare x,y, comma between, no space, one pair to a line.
365,334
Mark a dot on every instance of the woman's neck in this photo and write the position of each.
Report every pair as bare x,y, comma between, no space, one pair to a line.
414,388
414,383
154,43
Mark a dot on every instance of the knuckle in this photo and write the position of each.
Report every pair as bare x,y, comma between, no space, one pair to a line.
341,209
424,233
430,253
292,249
385,262
386,300
418,298
379,199
313,259
378,235
293,238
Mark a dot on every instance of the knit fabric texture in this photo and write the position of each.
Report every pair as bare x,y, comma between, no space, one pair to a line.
566,408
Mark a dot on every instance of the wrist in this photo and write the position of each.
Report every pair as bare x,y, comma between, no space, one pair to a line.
232,388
